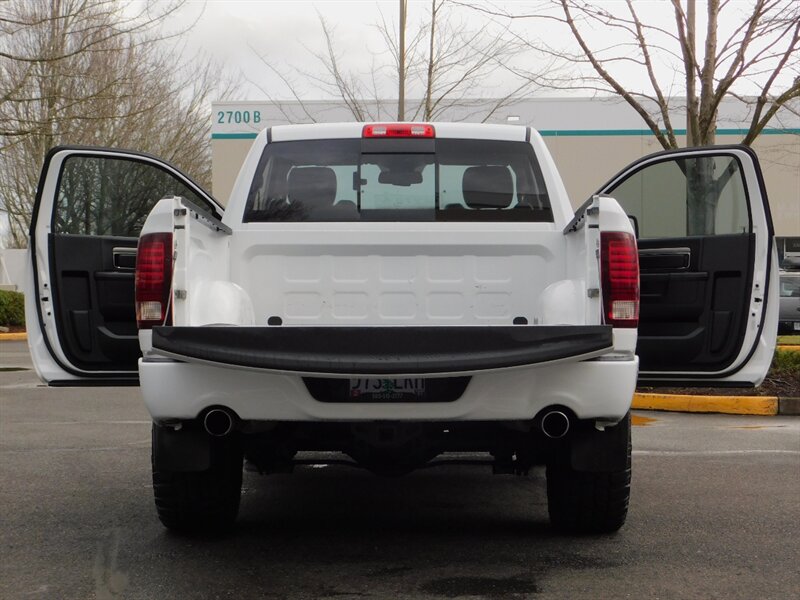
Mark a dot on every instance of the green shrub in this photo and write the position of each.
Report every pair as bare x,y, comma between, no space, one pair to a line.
786,362
12,309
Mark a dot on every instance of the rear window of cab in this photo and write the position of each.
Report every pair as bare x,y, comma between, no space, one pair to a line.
398,180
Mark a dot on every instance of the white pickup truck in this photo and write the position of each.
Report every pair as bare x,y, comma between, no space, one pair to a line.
397,293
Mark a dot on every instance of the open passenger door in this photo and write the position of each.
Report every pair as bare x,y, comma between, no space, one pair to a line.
709,275
90,206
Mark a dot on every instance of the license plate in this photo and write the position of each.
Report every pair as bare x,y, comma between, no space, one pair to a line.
796,325
387,389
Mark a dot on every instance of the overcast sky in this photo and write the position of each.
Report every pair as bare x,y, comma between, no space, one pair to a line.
286,33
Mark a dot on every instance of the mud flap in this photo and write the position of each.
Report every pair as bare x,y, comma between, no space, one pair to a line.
600,451
180,451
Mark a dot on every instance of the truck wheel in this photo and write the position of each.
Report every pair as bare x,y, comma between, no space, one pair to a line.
201,502
589,502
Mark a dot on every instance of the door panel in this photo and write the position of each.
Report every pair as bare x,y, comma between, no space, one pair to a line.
90,206
95,316
690,316
705,259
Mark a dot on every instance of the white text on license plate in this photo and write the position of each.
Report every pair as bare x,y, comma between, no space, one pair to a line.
387,388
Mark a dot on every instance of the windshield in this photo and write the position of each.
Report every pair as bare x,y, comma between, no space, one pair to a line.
398,180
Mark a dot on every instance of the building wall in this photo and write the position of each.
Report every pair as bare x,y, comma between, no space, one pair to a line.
227,157
12,269
586,162
780,161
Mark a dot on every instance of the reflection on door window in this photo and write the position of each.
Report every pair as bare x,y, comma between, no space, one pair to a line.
112,196
686,197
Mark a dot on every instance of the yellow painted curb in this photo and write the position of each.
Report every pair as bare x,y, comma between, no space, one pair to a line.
13,337
788,348
732,405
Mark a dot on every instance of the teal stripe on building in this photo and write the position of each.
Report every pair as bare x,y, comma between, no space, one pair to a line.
233,136
569,133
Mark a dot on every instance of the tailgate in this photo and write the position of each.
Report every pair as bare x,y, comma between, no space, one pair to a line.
382,350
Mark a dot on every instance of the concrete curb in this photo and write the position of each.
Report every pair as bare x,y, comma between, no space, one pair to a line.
729,405
13,337
789,406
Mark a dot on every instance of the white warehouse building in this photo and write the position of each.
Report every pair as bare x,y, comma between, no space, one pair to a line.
590,139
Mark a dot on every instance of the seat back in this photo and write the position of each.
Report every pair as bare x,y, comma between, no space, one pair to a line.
313,187
488,187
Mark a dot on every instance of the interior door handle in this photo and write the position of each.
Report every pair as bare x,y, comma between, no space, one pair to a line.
124,258
665,259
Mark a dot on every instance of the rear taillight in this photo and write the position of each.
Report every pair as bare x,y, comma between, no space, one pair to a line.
153,279
619,271
398,130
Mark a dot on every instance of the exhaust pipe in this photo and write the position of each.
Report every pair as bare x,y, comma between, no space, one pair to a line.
554,424
218,422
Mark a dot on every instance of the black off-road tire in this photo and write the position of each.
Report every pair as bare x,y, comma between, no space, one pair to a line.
589,502
202,502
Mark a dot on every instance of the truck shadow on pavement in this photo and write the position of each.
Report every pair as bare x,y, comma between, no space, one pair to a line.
451,532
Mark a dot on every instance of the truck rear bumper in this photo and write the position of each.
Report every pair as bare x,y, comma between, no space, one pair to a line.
591,389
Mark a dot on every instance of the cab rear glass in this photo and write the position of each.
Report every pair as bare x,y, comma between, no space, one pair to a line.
398,180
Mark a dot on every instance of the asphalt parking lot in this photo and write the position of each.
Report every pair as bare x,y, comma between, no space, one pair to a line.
715,513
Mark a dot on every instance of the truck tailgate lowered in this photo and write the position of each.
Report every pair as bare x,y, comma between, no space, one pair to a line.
382,350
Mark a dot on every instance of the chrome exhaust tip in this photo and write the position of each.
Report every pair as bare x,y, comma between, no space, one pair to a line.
219,422
554,424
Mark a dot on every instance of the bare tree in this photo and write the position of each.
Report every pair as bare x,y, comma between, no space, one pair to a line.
82,72
441,65
361,93
459,59
401,59
756,60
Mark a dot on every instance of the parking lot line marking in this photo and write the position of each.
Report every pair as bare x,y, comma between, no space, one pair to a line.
139,445
83,423
733,405
711,452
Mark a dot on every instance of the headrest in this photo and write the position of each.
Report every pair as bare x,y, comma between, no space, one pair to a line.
312,186
488,187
